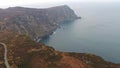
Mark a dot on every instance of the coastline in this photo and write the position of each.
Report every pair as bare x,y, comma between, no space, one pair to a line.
46,36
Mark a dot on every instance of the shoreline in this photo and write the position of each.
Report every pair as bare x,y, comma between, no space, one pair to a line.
46,36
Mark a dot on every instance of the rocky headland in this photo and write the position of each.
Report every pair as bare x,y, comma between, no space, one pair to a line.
20,27
35,22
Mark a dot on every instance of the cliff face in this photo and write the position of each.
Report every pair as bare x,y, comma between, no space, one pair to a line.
23,52
34,22
17,23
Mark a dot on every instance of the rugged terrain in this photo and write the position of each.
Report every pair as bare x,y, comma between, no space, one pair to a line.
20,26
35,22
23,52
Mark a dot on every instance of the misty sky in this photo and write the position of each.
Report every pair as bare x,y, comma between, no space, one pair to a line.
11,3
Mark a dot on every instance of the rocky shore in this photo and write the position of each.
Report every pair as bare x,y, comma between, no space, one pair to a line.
35,22
20,27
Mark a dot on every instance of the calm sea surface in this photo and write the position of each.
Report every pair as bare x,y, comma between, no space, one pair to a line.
98,32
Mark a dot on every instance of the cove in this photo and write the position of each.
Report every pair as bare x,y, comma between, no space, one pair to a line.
97,32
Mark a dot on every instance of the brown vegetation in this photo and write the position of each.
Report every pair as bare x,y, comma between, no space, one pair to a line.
23,52
18,23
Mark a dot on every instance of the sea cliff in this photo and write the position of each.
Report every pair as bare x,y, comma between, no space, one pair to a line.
35,22
19,26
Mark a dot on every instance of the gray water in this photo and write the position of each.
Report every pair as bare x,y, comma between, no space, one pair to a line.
97,32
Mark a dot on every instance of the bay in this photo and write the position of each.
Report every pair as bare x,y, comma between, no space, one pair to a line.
97,32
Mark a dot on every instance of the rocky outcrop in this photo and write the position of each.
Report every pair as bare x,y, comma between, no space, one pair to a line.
23,52
35,22
18,23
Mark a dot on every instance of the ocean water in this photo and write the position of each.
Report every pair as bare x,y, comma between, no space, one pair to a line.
97,32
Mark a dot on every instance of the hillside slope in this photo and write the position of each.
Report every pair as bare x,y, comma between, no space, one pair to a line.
35,22
23,52
19,26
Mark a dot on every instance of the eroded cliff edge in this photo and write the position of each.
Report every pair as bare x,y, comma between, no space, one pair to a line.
35,22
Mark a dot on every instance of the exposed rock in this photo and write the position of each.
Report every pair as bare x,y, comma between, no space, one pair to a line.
18,23
35,22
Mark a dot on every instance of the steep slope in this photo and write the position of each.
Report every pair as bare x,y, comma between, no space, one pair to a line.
23,52
35,22
18,23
